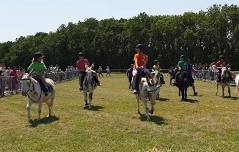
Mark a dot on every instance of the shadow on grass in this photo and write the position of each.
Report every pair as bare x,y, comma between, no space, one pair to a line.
199,95
228,97
190,101
45,120
95,108
162,99
156,119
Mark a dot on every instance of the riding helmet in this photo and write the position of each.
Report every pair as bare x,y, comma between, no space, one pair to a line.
80,54
156,60
37,55
221,57
182,56
140,47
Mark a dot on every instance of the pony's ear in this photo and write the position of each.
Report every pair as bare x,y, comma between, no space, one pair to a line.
86,66
92,66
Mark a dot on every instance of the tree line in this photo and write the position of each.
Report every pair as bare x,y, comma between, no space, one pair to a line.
202,37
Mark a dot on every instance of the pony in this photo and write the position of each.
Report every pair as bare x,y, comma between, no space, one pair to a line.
89,85
156,79
182,82
225,80
32,89
237,82
146,93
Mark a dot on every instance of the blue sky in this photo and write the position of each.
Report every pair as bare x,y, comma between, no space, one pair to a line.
26,17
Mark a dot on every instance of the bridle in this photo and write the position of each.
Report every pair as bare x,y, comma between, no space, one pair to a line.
31,90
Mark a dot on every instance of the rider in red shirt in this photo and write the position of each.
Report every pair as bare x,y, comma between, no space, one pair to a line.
219,64
81,66
81,63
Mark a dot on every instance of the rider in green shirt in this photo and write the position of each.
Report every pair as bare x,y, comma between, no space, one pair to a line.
182,63
37,69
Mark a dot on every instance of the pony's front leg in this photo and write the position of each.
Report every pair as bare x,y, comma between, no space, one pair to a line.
39,110
186,94
183,94
146,109
222,91
29,110
152,101
90,99
138,104
229,91
217,89
85,99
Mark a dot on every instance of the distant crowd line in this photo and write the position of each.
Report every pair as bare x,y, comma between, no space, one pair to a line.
10,77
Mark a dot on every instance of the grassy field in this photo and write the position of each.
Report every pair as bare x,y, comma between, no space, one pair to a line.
205,123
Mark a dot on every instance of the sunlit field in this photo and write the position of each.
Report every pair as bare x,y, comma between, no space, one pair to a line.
205,123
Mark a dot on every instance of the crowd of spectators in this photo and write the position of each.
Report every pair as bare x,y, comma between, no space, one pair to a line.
10,77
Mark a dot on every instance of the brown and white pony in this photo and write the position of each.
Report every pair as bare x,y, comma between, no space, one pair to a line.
31,88
225,81
89,85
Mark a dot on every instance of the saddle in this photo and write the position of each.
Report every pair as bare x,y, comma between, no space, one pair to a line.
182,78
44,88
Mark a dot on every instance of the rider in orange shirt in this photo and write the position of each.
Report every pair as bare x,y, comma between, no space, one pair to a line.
140,62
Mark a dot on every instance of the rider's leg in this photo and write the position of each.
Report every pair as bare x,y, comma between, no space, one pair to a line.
82,73
136,80
162,79
44,84
95,77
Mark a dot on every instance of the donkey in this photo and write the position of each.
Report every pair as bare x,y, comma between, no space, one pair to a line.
31,88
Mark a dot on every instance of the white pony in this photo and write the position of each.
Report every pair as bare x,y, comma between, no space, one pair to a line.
145,95
89,85
31,88
237,82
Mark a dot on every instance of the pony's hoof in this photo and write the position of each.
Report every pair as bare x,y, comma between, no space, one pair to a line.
30,121
152,112
86,106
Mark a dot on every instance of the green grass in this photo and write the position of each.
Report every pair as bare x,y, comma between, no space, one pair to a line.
207,123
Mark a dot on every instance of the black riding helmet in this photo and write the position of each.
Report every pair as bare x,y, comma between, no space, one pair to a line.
37,55
156,60
140,47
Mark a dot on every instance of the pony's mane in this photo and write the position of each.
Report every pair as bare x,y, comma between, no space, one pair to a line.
224,69
27,76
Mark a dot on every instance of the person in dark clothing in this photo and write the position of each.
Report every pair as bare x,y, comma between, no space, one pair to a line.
190,71
129,74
